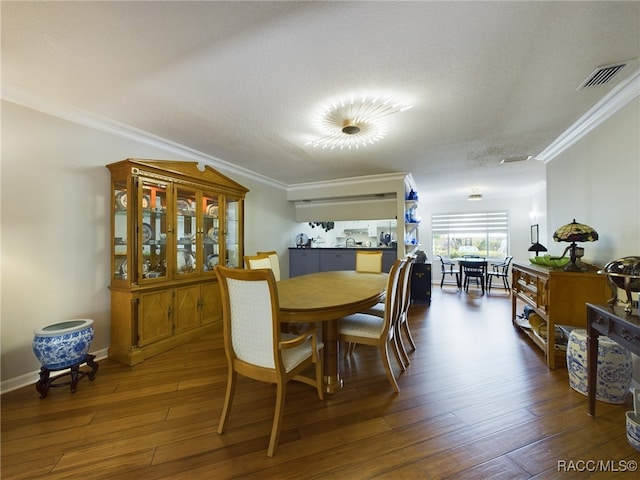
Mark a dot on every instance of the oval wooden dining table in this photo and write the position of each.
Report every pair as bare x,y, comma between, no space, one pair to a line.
326,297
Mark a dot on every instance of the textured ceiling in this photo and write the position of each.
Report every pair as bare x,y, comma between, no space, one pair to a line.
241,81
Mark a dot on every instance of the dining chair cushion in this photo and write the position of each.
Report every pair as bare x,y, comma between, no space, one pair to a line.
361,325
377,310
292,357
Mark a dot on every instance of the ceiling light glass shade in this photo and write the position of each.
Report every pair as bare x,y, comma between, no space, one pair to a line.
355,122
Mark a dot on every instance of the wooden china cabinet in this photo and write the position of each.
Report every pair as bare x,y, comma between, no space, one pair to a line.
171,223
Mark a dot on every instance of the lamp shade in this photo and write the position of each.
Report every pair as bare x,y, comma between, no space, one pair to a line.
537,247
575,232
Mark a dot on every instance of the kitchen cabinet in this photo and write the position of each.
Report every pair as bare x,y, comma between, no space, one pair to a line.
332,259
303,261
559,297
311,260
171,223
388,259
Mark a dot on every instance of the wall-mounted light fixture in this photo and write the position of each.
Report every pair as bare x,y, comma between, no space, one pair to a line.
474,196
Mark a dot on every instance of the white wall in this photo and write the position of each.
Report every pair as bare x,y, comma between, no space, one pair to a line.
55,228
596,182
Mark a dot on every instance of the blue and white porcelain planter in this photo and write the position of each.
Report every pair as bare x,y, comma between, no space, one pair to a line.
614,367
63,344
633,421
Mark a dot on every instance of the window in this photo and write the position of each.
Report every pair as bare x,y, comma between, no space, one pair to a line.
458,234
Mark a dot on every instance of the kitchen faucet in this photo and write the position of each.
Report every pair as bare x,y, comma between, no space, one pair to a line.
350,242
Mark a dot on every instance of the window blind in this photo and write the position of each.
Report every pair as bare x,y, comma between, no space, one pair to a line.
470,222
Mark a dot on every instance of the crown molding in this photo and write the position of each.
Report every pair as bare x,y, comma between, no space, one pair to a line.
350,181
14,94
617,98
349,187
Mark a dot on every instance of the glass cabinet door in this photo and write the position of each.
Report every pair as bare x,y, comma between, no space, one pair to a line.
232,233
120,231
210,237
153,245
186,232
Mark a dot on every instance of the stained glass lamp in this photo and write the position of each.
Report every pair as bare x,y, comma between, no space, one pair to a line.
575,232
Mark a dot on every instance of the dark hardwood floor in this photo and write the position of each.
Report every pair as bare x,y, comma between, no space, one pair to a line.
476,402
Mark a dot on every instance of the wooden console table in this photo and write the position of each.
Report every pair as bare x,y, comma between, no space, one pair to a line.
618,326
558,297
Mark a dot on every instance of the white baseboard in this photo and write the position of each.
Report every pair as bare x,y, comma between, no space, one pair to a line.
33,377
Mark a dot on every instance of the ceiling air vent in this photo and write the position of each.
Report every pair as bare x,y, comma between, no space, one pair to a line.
516,159
602,75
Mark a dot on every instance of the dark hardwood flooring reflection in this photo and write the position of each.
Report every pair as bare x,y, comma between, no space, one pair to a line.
476,402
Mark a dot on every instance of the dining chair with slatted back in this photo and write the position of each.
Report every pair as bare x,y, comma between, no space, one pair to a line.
500,270
254,346
448,267
275,262
367,329
477,272
253,262
369,261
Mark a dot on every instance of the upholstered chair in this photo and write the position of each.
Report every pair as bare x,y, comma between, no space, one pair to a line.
254,345
367,329
369,261
275,262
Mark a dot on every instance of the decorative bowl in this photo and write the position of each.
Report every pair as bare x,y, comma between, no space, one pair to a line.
549,261
63,344
633,430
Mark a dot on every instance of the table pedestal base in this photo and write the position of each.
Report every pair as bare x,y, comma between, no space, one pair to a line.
331,352
46,381
332,384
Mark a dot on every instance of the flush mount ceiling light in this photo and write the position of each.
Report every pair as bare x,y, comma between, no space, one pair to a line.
355,122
